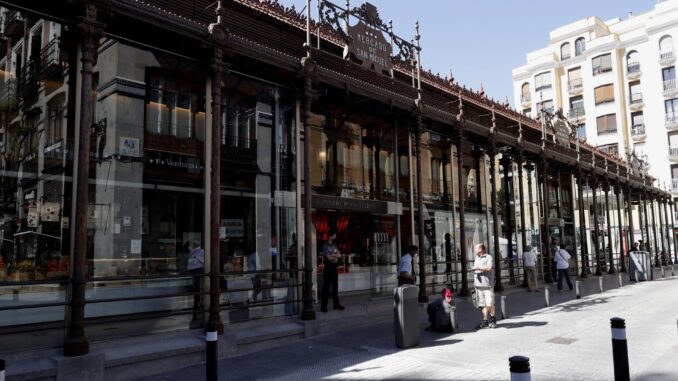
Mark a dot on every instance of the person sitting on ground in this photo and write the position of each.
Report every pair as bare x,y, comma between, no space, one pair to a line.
439,312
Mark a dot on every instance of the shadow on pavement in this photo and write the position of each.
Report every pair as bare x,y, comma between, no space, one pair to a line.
521,324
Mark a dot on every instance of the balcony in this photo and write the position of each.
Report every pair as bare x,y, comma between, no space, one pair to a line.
673,154
674,189
633,70
14,25
51,62
636,101
525,101
667,58
638,133
239,150
28,88
575,86
671,121
576,114
8,95
670,88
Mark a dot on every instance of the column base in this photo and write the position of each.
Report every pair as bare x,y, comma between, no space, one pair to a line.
308,314
76,347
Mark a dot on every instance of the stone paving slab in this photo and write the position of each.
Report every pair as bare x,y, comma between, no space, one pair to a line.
568,341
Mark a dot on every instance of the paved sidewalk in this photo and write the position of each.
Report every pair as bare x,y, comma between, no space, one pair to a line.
568,341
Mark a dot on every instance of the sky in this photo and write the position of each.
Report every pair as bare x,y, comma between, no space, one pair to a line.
482,41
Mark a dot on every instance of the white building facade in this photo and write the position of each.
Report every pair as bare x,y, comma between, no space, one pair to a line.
616,81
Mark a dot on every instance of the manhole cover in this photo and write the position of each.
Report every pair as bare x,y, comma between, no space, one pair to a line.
561,340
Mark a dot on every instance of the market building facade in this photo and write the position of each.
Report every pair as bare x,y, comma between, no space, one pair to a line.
139,136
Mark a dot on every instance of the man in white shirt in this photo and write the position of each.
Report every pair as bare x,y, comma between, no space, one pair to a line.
561,257
406,273
483,280
530,266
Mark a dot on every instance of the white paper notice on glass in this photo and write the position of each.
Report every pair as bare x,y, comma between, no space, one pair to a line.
222,232
135,246
116,228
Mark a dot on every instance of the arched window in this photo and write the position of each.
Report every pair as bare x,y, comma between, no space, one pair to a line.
666,47
565,51
525,92
579,46
632,64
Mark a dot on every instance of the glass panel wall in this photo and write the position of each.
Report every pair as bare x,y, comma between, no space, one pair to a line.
36,162
258,215
146,212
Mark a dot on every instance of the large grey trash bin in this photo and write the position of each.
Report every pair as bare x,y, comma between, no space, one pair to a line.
638,261
406,316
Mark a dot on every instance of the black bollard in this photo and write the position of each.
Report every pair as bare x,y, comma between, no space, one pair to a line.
2,370
212,357
620,353
520,368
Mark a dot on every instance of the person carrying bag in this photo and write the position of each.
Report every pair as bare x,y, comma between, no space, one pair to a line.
562,257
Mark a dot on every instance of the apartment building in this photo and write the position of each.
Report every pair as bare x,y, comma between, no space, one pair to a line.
615,81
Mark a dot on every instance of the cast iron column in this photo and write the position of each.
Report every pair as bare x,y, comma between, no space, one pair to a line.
647,231
91,31
629,211
622,254
213,319
423,298
661,230
462,218
673,234
309,72
654,231
574,229
529,167
609,226
582,182
668,231
498,287
523,235
506,164
548,276
596,242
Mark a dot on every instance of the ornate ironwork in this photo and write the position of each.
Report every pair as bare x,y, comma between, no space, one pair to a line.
333,16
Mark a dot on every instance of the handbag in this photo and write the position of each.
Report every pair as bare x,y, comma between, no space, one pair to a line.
474,298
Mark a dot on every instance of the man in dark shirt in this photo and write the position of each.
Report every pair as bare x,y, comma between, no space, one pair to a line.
331,257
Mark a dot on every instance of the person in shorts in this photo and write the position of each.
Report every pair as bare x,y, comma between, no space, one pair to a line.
483,281
530,265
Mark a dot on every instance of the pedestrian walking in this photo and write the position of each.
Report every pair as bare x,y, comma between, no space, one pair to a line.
562,258
331,257
530,266
484,285
406,273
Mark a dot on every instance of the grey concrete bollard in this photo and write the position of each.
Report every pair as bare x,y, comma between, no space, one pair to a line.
600,284
212,352
621,280
620,352
520,368
663,273
547,298
673,272
577,288
503,307
635,276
